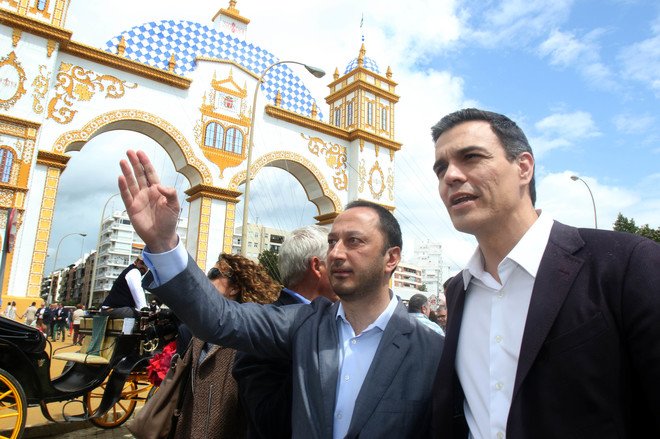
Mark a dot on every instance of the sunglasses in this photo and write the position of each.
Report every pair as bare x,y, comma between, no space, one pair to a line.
215,273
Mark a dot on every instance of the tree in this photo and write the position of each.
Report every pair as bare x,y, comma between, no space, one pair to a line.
422,287
268,260
623,224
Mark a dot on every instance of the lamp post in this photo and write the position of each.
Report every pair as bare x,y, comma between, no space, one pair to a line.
318,73
57,251
593,202
96,254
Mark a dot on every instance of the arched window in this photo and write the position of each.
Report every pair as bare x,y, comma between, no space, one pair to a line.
338,117
41,4
383,119
370,113
234,142
349,114
6,162
213,135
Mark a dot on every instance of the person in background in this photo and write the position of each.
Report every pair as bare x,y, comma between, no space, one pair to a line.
126,297
554,330
30,314
265,385
10,311
61,321
418,307
441,316
78,314
211,406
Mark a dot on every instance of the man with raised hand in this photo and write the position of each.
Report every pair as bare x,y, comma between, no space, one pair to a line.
352,360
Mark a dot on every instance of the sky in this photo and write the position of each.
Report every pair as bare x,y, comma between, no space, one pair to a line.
582,78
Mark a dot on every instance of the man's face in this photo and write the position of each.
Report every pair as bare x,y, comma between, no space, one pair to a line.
442,317
480,188
324,288
356,263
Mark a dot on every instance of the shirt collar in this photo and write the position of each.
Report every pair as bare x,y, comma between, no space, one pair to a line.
381,321
527,252
299,297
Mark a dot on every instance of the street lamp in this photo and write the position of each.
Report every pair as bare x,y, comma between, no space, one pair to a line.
318,73
96,254
593,202
58,251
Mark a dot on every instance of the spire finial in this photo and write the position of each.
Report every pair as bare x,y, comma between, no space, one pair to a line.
121,47
172,63
336,74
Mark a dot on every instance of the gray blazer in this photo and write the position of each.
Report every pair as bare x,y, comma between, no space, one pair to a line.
394,400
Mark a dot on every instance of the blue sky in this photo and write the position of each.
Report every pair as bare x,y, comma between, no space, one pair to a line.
581,77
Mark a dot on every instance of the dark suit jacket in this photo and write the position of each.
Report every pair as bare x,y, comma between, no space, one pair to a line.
589,363
264,388
394,400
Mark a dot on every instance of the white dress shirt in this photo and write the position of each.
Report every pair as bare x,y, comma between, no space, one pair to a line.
492,329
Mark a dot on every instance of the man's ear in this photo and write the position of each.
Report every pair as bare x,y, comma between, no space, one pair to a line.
526,167
393,255
315,265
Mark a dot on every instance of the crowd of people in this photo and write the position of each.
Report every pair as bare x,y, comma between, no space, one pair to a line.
550,331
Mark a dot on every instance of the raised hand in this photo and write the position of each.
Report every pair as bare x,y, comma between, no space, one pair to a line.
152,208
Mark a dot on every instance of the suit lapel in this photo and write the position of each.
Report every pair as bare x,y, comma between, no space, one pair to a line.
391,351
328,358
554,279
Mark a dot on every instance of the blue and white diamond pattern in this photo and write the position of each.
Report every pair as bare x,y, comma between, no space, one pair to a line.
369,64
153,43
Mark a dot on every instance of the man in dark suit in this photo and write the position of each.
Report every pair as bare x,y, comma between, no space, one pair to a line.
553,331
352,360
265,385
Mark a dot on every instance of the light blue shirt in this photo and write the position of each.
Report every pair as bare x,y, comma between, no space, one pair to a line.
421,318
356,352
298,297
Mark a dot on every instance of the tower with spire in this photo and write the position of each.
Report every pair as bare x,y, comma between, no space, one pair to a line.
231,22
362,100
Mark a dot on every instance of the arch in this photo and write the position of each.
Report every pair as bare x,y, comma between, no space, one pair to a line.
310,177
171,139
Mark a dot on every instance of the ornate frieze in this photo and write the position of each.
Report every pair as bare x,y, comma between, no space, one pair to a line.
40,89
12,81
74,83
335,158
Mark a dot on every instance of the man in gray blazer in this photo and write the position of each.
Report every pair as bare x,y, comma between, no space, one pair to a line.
362,367
553,331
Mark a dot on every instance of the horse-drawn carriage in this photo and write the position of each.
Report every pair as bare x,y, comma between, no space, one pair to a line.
108,371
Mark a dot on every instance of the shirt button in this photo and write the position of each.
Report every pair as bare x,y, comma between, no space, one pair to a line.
500,295
500,435
498,338
499,385
339,415
346,378
354,341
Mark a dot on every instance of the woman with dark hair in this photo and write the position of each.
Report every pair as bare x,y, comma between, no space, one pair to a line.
211,407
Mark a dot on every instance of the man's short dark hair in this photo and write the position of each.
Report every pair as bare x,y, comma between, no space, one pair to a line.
389,226
510,135
416,302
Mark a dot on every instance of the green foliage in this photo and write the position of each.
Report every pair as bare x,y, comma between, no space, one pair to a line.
623,224
268,260
422,287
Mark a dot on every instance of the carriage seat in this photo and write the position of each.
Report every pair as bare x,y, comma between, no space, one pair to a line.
99,341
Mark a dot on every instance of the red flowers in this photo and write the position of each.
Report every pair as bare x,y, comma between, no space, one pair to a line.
160,364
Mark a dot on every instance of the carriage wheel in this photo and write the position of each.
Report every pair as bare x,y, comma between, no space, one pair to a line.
13,406
118,413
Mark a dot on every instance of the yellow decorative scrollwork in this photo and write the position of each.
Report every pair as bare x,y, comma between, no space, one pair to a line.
74,83
376,181
12,78
335,158
362,175
40,86
390,184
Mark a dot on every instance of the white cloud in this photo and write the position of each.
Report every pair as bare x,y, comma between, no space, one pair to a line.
641,61
569,201
634,124
561,130
516,21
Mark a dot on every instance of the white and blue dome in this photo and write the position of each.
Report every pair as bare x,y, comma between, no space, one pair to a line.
154,43
369,64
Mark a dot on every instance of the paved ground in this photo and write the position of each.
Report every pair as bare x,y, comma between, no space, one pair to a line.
116,433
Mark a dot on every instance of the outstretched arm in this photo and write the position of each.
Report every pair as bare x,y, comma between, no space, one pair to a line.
152,208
